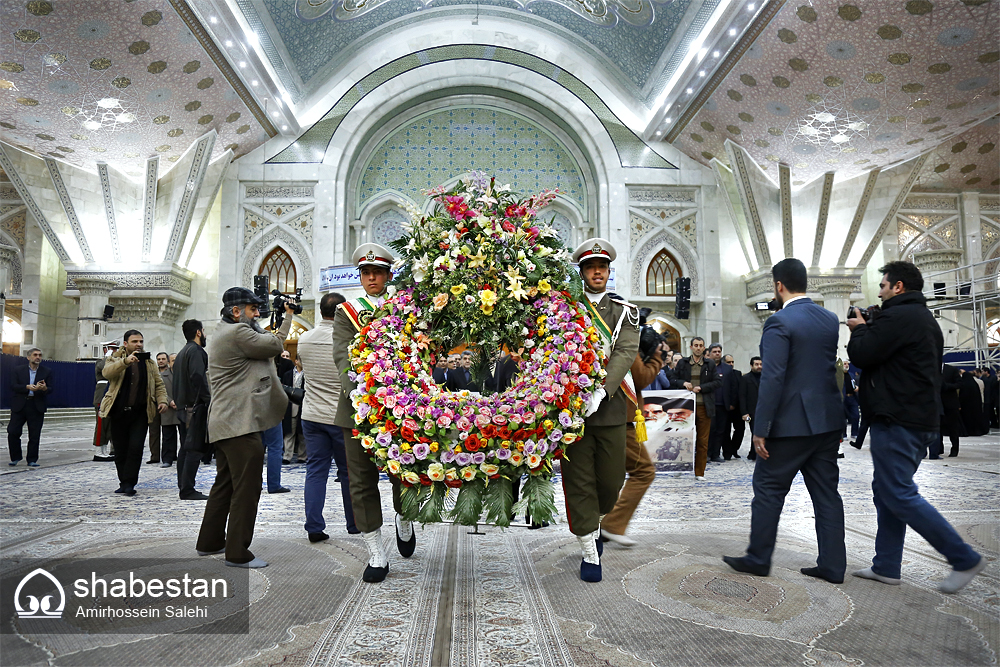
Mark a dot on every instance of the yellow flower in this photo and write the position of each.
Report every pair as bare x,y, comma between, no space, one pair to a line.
440,300
457,289
405,447
411,477
451,473
517,291
458,449
468,473
479,259
394,466
434,447
436,472
489,468
544,286
488,297
487,310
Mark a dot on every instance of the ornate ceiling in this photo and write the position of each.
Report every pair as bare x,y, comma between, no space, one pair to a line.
847,86
115,81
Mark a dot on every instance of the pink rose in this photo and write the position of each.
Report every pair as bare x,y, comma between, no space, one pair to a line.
444,421
399,412
389,401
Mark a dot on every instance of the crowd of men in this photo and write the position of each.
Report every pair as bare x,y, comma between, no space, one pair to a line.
246,401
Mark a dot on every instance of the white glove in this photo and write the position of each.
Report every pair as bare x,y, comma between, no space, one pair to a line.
595,401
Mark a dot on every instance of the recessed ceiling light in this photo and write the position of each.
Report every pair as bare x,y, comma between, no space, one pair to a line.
125,117
108,103
732,32
229,42
690,90
254,82
751,6
91,125
669,120
213,19
701,73
840,138
274,113
284,127
243,63
715,54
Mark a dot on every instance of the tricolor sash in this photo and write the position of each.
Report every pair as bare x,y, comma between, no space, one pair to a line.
628,384
358,311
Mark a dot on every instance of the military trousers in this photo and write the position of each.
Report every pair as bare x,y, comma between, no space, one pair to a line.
593,471
366,501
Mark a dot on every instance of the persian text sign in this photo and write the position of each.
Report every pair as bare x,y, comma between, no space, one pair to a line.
332,277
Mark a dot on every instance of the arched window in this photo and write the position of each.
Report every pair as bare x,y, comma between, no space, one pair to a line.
280,270
661,274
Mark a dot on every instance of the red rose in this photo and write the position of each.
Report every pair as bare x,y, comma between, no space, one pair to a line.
503,433
489,431
425,480
355,432
453,483
558,454
407,433
472,443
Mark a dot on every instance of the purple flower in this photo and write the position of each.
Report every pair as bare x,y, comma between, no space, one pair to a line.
363,410
406,458
421,451
584,381
393,452
447,456
478,458
565,419
556,435
463,459
529,447
383,439
503,454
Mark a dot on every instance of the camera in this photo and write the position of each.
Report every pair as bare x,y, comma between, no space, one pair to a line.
649,338
142,356
867,314
278,306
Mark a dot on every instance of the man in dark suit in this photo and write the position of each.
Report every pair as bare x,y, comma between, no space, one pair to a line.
440,371
851,406
725,397
797,427
732,448
460,377
30,387
749,390
951,416
190,385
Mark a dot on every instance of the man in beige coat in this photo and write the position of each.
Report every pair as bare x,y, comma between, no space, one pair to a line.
135,395
247,398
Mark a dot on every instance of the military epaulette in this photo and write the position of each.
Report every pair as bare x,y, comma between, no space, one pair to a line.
617,299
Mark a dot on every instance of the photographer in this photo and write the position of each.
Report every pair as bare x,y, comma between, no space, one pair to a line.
247,399
900,353
135,395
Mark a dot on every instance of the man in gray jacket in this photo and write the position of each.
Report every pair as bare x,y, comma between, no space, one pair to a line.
247,398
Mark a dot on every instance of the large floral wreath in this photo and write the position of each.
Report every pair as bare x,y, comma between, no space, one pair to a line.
484,272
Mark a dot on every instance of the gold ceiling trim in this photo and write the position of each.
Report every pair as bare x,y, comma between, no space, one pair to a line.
201,34
746,40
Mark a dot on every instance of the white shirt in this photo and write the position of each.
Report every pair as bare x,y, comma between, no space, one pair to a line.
794,299
595,298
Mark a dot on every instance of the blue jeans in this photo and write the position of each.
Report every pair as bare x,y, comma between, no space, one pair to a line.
324,446
896,453
274,445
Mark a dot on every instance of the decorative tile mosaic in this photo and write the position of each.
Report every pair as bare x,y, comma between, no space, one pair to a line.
441,145
969,161
989,234
387,226
162,89
138,280
253,223
14,226
315,41
858,89
686,228
943,202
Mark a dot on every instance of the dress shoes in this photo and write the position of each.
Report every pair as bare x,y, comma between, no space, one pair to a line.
934,458
623,540
840,455
285,462
280,489
855,444
589,572
717,459
129,492
353,531
33,464
152,461
212,553
406,547
318,537
953,454
741,565
197,495
14,463
818,573
373,575
120,489
254,564
104,458
165,464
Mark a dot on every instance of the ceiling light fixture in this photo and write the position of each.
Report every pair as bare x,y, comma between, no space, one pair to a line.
284,127
108,102
251,38
732,32
91,125
751,6
689,91
254,82
243,63
701,73
213,19
715,54
229,43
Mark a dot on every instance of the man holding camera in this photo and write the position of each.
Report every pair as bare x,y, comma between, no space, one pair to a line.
135,395
374,262
247,399
900,354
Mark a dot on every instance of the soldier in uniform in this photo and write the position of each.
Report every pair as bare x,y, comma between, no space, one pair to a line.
594,469
374,261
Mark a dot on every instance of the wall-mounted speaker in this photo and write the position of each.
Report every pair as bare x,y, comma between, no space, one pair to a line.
109,312
682,302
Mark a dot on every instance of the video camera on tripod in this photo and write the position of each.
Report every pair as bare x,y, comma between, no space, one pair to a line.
275,308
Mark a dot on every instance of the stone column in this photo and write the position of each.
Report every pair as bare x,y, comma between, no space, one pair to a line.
358,236
956,325
7,255
837,299
91,328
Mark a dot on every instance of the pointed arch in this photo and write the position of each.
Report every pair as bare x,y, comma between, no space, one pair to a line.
685,258
274,236
661,274
280,269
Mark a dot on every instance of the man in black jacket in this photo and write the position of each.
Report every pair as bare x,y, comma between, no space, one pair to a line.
749,388
725,397
30,387
697,373
190,389
900,353
732,448
951,416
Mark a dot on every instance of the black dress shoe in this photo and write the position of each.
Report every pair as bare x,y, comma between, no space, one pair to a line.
855,444
197,495
318,537
717,459
816,572
741,565
953,454
120,489
751,456
589,572
373,575
353,531
152,461
285,462
934,458
405,548
281,489
840,455
129,492
737,456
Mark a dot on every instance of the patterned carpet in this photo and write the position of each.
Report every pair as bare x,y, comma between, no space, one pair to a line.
514,597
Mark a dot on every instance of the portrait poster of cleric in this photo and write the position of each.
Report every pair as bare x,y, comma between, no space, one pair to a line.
670,433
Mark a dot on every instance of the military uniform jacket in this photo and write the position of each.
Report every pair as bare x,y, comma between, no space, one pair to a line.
344,332
613,408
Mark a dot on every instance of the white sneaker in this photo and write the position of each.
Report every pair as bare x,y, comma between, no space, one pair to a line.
868,574
623,540
700,478
958,580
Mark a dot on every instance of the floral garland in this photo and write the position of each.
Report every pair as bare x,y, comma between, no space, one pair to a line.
432,439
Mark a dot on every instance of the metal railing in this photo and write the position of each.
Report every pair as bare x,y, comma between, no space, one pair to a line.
972,289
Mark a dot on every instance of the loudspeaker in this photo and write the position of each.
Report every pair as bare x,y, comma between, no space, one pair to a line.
682,303
939,289
965,289
109,312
